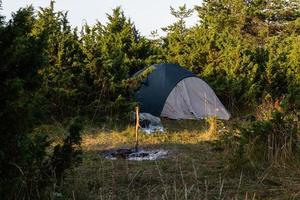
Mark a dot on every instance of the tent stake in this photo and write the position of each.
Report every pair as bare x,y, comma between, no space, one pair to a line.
137,125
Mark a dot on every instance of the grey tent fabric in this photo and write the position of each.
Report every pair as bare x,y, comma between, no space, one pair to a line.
192,98
174,92
158,85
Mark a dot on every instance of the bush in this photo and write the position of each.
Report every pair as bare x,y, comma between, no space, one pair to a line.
271,142
64,156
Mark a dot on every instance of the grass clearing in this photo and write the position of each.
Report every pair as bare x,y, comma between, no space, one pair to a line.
195,169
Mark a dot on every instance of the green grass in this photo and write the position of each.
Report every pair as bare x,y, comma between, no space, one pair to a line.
195,169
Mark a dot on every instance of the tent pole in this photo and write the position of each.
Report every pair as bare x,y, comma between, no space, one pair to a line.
137,125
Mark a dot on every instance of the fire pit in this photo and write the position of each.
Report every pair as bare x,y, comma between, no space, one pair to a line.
133,154
136,153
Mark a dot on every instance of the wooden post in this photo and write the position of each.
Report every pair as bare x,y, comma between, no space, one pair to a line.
137,125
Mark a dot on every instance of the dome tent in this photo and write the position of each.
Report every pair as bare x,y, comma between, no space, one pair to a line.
174,92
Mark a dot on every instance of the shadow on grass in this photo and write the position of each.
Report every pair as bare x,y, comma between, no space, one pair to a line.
183,174
191,171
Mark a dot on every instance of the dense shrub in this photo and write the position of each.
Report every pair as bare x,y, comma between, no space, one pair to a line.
265,142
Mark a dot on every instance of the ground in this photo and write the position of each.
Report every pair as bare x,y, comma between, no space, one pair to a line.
196,168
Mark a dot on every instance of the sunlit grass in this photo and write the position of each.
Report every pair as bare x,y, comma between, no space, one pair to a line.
194,169
126,138
193,133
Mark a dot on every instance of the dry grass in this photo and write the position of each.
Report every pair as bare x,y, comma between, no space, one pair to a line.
195,169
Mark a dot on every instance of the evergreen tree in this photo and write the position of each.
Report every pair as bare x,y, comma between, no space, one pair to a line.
23,57
64,75
236,48
20,59
114,52
177,43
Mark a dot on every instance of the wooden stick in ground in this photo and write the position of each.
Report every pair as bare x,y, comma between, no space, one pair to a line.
137,125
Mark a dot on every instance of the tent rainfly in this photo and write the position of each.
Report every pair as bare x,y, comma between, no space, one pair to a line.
174,92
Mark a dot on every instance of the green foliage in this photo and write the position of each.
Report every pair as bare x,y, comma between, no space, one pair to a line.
23,105
137,79
21,156
176,44
243,49
114,52
264,142
64,76
64,156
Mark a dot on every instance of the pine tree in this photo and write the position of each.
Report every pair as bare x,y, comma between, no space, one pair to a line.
177,42
114,52
20,59
64,74
239,45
